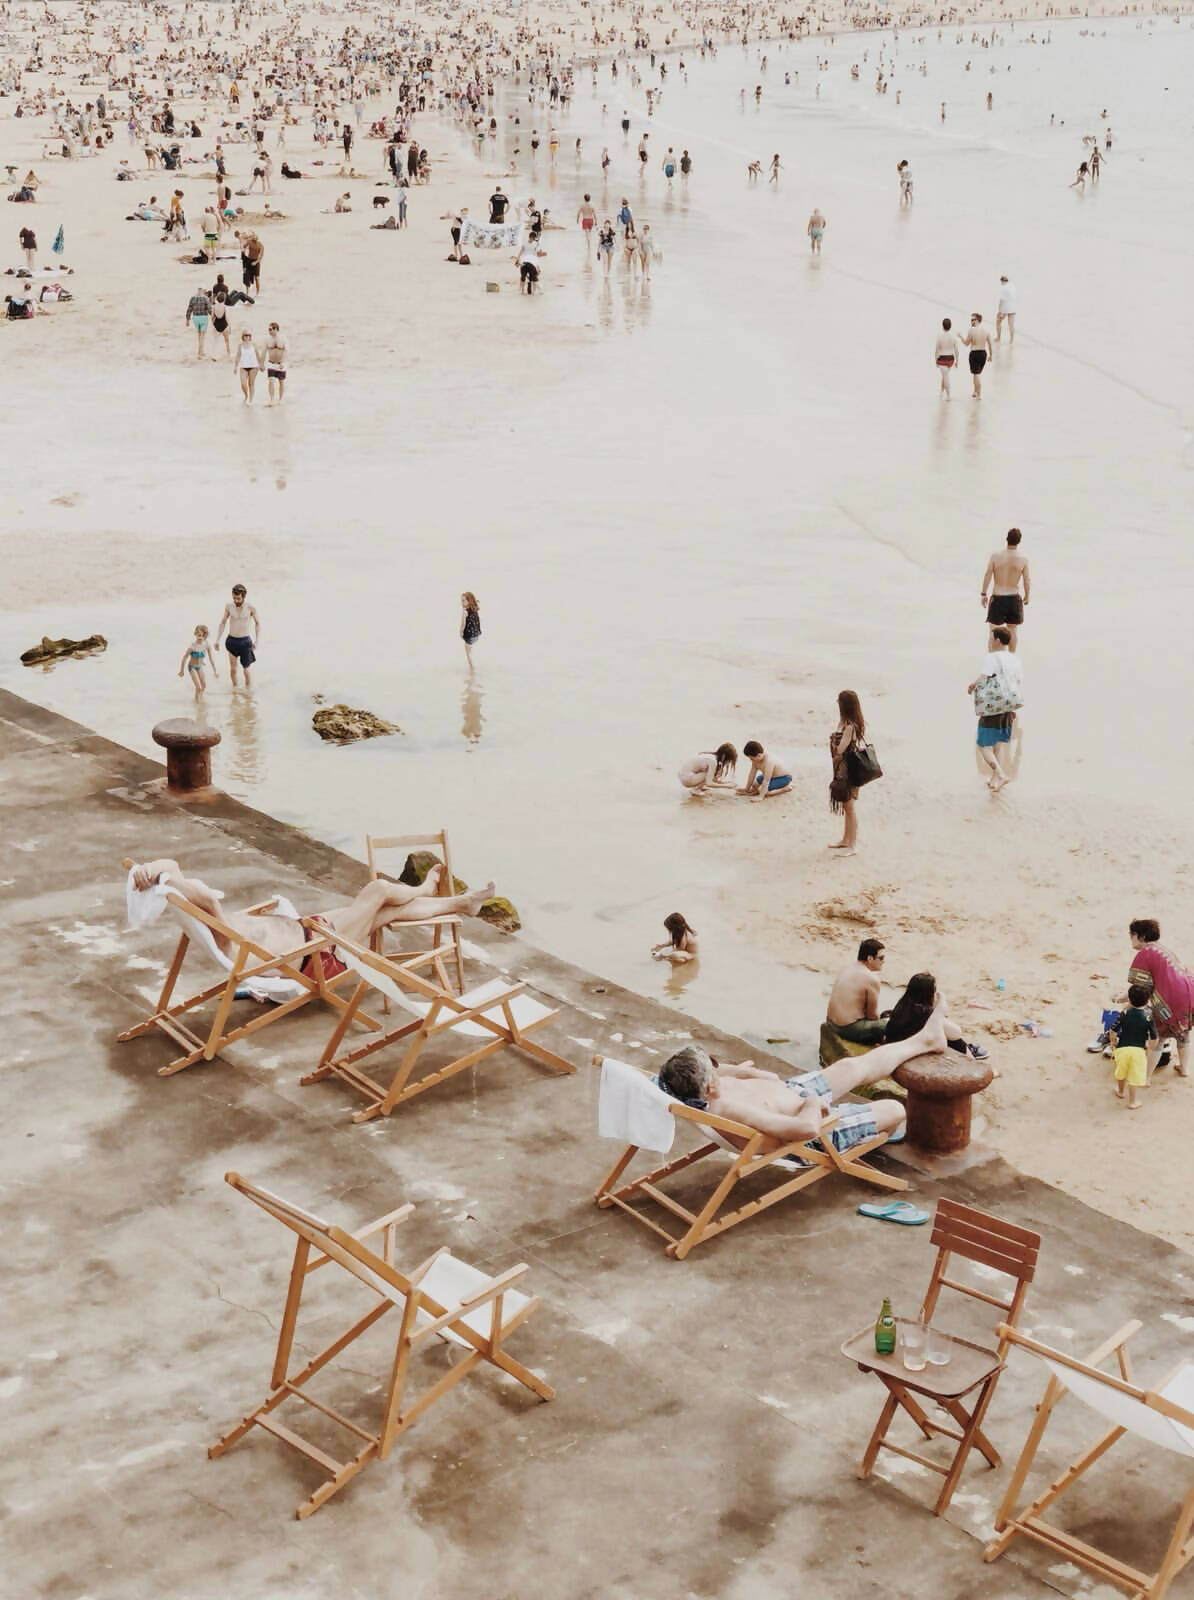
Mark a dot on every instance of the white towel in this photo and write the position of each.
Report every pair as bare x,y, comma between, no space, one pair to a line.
633,1109
146,905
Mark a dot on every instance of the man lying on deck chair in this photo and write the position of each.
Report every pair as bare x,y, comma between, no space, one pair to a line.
380,904
794,1108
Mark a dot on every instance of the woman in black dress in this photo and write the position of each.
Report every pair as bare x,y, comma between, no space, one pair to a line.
470,623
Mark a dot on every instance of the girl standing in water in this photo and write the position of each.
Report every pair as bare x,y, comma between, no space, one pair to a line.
470,623
195,658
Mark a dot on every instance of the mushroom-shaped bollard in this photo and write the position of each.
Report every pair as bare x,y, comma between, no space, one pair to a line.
940,1089
187,744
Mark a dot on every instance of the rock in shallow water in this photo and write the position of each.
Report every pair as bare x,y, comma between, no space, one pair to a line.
53,649
342,724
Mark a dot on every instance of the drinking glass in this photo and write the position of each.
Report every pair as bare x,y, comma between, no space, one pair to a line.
938,1350
913,1339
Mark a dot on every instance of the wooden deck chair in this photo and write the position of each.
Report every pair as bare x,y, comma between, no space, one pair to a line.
1162,1416
288,978
443,1296
803,1162
989,1242
445,935
497,1014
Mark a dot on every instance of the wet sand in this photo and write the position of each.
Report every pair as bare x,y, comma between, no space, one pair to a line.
691,512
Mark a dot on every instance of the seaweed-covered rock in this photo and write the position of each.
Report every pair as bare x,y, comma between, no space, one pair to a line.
418,864
342,724
54,649
499,913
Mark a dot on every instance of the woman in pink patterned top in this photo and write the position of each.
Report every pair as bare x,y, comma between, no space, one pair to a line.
1172,986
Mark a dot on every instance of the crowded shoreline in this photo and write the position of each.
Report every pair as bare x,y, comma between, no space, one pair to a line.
758,944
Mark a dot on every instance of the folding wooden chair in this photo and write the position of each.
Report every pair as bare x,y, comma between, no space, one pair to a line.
447,934
810,1160
293,978
1163,1416
973,1371
443,1297
497,1013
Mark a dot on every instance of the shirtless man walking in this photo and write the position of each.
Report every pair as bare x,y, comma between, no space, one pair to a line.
1007,576
816,231
978,338
586,216
238,617
853,1009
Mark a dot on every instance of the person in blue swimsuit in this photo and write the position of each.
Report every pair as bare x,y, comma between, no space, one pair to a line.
767,776
195,659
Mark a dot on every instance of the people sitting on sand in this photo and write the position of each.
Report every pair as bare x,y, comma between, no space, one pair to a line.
853,1009
680,946
380,904
291,172
388,226
710,769
343,202
766,776
913,1009
788,1109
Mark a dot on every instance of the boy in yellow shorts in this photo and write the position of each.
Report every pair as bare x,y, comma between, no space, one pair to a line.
1129,1040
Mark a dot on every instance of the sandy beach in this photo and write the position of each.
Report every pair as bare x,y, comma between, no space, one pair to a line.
693,509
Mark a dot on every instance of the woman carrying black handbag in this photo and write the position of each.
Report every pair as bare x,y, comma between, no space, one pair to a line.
854,764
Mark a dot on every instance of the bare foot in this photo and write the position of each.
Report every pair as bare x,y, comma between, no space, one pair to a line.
431,882
476,898
1136,1107
931,1037
841,846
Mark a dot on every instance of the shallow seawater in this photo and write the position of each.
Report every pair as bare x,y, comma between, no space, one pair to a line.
692,510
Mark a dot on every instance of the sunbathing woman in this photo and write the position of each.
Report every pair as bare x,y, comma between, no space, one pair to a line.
380,904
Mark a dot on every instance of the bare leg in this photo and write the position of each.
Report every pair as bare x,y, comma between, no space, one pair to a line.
853,1072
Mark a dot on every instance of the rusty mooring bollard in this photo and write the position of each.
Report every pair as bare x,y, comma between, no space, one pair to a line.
940,1089
188,745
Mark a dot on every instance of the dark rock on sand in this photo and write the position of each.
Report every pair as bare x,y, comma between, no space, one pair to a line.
342,724
499,913
53,649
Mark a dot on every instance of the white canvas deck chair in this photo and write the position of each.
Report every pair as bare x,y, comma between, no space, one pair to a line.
631,1105
284,982
494,1016
1162,1416
443,1297
445,938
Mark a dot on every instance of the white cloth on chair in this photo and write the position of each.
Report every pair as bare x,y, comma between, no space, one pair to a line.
145,906
633,1109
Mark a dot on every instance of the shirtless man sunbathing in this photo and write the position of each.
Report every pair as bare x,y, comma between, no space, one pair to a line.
794,1108
380,904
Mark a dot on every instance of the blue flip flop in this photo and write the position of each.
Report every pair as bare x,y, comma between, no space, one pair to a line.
901,1211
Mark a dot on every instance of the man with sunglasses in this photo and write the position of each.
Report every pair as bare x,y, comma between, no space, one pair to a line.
853,1010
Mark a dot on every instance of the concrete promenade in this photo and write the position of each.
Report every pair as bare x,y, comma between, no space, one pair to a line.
706,1431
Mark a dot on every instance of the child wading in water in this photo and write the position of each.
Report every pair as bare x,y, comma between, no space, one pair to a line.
195,658
681,943
470,623
1129,1040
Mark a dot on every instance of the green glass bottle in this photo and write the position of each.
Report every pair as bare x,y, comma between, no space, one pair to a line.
885,1332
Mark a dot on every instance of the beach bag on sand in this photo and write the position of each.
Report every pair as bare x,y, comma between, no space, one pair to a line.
862,765
993,697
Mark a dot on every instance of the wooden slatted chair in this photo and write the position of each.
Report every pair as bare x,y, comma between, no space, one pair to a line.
293,980
443,1297
445,937
987,1241
803,1162
496,1015
1163,1416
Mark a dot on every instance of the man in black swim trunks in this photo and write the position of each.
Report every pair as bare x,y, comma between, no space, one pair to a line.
1006,581
978,338
238,618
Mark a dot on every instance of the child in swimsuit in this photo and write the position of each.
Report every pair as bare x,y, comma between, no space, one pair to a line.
195,659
